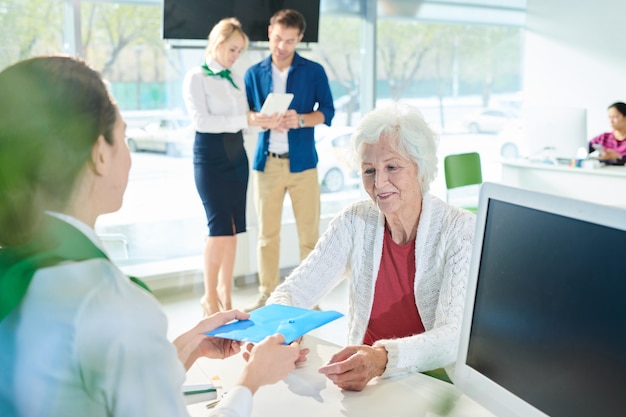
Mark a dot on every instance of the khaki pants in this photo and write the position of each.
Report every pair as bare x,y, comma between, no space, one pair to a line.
304,191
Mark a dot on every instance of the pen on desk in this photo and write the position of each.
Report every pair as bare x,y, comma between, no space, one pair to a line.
217,383
212,403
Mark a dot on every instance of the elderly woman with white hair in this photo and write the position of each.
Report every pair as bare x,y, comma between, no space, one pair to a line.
405,252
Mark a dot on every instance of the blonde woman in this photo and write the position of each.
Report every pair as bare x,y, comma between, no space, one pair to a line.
215,98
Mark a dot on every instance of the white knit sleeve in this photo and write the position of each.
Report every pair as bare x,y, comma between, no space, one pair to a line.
325,266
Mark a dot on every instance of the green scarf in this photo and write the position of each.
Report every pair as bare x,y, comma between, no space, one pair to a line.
59,242
225,73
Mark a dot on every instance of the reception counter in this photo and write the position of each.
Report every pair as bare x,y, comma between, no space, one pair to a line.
604,185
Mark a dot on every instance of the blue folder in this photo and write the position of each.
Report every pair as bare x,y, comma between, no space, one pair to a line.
291,322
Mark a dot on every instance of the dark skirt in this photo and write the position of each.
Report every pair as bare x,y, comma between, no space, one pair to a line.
221,173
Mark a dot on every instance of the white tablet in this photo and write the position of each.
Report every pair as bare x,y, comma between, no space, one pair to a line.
276,103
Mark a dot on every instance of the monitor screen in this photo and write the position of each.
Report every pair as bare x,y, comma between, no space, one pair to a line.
544,332
194,19
555,131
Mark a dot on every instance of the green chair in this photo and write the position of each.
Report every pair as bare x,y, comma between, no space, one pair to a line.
463,178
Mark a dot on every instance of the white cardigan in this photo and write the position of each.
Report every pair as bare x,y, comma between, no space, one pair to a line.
351,248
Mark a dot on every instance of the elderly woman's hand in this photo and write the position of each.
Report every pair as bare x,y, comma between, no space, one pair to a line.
354,366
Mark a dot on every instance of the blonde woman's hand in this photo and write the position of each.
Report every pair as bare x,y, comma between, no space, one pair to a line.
264,121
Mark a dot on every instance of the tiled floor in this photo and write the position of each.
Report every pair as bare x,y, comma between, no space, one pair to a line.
183,309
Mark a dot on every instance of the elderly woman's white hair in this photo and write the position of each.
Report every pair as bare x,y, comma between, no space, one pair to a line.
416,140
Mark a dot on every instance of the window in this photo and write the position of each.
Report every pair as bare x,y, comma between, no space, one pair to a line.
451,59
461,64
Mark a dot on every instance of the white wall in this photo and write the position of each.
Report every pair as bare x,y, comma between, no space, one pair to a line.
575,56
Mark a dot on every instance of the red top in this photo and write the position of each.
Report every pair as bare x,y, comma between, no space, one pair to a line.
394,313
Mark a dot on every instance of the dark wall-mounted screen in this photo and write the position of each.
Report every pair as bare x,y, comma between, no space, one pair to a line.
193,19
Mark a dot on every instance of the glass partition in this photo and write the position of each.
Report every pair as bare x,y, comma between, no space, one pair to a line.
465,78
461,67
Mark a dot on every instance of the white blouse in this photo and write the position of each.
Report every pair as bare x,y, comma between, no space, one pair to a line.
86,341
215,106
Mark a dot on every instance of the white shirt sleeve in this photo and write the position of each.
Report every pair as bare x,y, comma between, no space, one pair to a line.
237,403
213,104
129,363
90,342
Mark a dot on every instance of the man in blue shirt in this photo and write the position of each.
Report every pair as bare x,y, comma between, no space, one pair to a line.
285,159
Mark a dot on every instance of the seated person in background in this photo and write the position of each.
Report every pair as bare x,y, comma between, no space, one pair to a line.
611,145
405,252
77,336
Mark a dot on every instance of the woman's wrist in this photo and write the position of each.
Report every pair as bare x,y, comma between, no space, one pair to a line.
253,120
381,359
187,346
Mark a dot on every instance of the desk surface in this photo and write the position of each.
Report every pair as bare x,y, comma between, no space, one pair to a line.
604,185
606,170
305,392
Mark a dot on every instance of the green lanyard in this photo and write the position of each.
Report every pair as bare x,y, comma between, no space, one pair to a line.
225,73
58,243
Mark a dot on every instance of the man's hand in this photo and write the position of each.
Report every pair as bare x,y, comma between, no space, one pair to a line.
289,121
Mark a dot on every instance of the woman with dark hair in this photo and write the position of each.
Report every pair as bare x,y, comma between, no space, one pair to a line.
611,145
77,336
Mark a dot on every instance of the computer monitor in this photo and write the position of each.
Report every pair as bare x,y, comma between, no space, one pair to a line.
544,330
557,131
